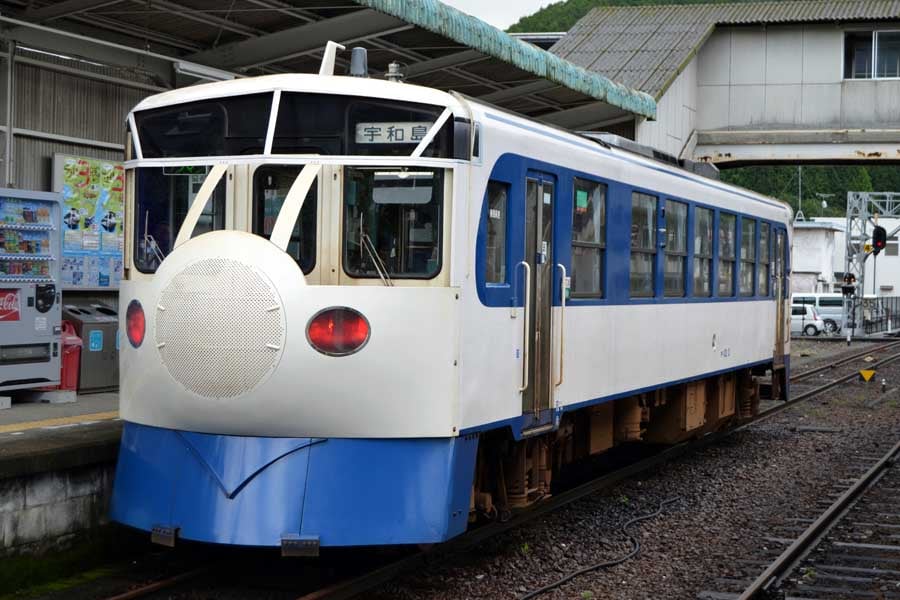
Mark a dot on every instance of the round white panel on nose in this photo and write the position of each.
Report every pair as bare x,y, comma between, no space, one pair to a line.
219,327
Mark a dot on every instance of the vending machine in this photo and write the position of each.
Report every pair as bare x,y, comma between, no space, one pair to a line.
30,311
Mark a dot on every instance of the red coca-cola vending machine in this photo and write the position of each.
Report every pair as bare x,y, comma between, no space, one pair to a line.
30,312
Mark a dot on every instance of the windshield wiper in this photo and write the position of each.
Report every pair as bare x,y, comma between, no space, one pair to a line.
366,242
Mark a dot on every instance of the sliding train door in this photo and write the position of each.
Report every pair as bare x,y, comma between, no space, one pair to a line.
538,266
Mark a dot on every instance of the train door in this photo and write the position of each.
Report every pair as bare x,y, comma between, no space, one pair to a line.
539,265
780,295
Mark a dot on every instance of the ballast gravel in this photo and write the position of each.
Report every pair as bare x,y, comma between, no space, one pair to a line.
735,500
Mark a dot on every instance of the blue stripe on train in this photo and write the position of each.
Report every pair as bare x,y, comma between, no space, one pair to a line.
253,490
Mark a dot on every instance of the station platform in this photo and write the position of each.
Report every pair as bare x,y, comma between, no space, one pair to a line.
38,437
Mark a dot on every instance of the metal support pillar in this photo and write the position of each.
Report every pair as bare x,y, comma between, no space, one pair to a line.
862,208
8,180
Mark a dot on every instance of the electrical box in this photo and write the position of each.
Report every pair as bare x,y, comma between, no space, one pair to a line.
30,315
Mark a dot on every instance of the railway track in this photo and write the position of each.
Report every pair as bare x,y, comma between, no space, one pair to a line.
357,585
842,360
850,550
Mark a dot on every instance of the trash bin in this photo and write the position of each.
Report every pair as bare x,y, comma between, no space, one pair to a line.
71,356
98,327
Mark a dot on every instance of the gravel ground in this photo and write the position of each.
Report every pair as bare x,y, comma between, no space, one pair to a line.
808,354
730,498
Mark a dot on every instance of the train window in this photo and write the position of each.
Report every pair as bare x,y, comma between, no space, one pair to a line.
215,127
497,207
763,274
703,252
748,255
339,124
393,222
726,254
588,239
271,184
811,300
676,248
163,196
643,244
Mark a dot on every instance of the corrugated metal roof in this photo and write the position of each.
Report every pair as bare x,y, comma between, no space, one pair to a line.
645,47
437,17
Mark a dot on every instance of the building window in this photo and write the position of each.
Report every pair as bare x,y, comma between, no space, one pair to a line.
676,248
497,207
703,252
763,268
588,239
643,244
726,254
871,55
748,255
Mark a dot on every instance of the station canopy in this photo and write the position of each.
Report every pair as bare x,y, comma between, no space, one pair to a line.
179,42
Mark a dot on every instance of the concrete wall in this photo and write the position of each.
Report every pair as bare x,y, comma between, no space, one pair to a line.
676,116
42,512
787,76
812,260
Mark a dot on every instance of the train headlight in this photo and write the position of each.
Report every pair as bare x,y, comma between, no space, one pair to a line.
338,331
135,323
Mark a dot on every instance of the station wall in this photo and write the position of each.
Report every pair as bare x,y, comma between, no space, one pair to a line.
673,130
788,76
62,105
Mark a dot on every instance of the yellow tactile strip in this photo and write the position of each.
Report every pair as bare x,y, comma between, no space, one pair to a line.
73,420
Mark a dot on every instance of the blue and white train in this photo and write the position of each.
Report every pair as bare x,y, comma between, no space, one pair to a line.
363,312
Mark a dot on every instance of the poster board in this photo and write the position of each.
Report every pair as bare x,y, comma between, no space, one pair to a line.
93,216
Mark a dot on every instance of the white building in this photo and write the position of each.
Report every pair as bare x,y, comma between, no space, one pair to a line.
813,256
752,82
882,272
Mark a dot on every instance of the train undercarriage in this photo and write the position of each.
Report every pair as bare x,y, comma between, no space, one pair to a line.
512,474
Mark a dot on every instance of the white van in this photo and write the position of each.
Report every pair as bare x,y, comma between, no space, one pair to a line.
830,307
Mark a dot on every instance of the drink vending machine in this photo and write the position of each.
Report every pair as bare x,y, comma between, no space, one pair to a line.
30,312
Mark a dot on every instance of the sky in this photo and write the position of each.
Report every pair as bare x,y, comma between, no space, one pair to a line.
499,13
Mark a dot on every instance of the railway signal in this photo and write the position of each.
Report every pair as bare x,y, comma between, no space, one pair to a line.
879,239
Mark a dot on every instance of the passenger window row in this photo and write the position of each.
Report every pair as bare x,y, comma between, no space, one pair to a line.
656,227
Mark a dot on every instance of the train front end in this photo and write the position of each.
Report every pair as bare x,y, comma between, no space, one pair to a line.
291,308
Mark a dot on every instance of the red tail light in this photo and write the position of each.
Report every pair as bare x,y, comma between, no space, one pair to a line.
338,331
135,324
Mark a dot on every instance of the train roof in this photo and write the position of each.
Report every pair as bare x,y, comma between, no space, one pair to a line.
303,82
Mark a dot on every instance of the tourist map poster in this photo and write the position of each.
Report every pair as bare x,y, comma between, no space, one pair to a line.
93,192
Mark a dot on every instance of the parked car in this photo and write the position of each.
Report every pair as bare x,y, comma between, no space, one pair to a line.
805,320
828,306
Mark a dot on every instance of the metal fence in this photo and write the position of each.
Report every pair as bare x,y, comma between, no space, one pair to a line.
881,315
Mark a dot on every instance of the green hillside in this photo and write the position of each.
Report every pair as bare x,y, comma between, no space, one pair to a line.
561,16
779,182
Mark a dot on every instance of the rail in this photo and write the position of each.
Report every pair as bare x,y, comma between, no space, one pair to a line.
784,563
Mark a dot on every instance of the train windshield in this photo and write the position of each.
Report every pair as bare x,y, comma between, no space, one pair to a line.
163,196
271,184
393,222
306,123
216,127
